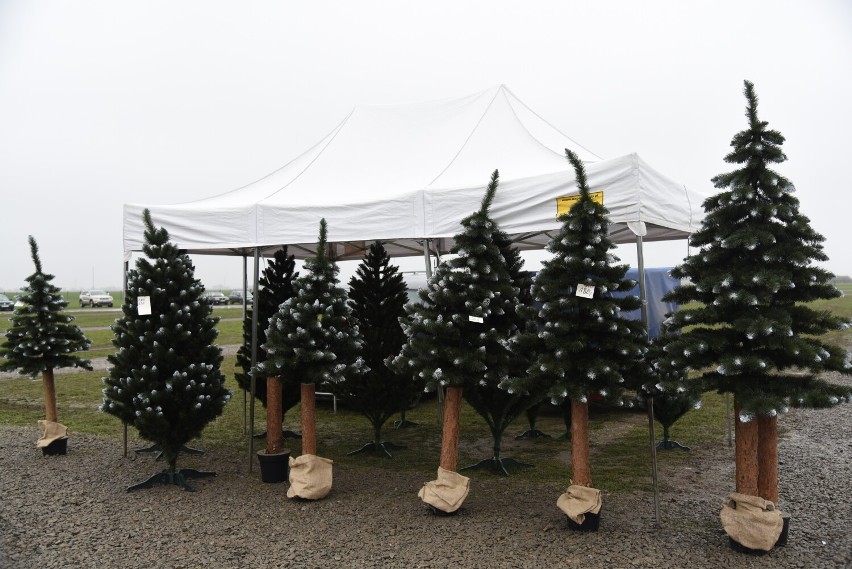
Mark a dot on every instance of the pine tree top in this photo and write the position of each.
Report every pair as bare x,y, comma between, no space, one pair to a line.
457,330
42,337
312,335
583,344
753,278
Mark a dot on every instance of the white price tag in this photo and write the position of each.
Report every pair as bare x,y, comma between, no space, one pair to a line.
477,319
143,305
585,291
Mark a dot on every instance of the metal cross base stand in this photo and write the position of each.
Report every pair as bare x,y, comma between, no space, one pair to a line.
383,447
404,424
287,434
668,444
178,478
159,450
532,434
497,465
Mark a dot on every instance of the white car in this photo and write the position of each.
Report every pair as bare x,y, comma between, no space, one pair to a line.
95,298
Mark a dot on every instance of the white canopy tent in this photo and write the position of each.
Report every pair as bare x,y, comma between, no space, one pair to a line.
407,173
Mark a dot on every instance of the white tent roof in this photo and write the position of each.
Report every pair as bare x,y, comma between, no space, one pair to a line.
403,173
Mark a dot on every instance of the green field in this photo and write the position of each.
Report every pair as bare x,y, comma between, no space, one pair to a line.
619,438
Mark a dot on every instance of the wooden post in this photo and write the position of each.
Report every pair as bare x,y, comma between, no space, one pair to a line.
745,435
309,420
49,394
767,458
450,435
274,434
580,444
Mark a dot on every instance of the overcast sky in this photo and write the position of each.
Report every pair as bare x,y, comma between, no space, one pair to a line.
105,103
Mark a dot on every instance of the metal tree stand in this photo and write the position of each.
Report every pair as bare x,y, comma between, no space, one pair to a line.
532,432
172,476
383,447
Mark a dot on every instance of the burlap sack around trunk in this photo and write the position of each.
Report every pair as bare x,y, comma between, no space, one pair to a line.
51,431
310,477
752,521
447,493
577,501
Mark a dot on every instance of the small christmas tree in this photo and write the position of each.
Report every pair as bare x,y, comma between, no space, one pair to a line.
312,337
583,344
673,393
753,276
42,338
377,297
274,287
165,377
456,333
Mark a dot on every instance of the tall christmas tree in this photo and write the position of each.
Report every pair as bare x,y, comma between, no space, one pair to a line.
165,377
42,338
274,287
753,332
312,337
456,332
498,407
583,344
377,297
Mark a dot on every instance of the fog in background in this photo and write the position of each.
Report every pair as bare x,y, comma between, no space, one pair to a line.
105,103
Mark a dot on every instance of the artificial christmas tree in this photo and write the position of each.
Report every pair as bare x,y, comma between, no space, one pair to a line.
377,297
41,339
453,335
673,393
165,377
312,337
753,332
583,344
497,406
274,287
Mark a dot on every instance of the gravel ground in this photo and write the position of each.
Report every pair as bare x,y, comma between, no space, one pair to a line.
73,512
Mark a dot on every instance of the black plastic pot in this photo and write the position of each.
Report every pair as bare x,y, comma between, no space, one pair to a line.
590,523
274,467
57,447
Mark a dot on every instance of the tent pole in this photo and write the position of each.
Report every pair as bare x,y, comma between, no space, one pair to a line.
427,258
253,355
123,297
245,284
643,299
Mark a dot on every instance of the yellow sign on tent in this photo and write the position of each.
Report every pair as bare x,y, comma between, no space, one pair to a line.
564,203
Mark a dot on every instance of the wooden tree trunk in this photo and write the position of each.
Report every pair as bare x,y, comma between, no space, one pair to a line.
309,419
450,435
580,444
767,458
49,394
746,454
274,433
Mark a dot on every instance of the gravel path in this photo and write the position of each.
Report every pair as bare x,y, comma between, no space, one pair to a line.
72,512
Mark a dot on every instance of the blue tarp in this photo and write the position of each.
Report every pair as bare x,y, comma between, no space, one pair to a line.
658,282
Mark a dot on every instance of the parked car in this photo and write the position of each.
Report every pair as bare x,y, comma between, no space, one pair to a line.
5,303
215,297
95,298
236,297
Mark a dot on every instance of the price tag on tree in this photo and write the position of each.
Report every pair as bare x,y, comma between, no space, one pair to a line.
477,319
585,291
143,305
